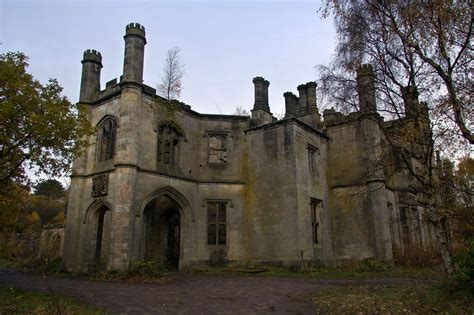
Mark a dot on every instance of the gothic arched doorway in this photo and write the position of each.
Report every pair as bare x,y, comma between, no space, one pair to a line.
162,231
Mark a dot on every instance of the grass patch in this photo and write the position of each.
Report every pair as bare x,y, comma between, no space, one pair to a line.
143,272
393,299
14,301
365,269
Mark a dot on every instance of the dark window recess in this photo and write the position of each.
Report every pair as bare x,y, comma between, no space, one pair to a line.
216,223
167,145
316,206
107,135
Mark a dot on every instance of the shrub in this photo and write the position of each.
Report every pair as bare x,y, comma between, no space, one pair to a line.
463,277
370,265
416,255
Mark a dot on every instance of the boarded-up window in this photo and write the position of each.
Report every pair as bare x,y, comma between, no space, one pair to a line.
217,148
316,207
216,223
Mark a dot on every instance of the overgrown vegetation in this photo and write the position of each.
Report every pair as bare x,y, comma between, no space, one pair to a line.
14,301
393,299
145,272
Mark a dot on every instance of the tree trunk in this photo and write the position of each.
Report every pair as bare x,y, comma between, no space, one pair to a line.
443,242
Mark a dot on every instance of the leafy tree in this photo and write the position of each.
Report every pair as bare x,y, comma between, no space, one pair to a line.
415,48
39,128
50,188
47,208
427,44
171,84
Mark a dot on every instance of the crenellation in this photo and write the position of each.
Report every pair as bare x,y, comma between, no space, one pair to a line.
224,189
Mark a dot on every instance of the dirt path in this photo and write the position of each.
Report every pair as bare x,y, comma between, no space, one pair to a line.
188,293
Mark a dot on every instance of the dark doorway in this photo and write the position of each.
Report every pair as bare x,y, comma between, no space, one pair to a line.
162,231
102,241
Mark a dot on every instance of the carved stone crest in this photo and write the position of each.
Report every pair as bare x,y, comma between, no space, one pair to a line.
100,185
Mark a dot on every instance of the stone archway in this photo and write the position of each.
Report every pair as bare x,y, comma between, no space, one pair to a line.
98,222
162,231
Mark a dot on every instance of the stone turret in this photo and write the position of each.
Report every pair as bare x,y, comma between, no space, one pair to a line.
261,94
135,42
303,98
90,81
366,88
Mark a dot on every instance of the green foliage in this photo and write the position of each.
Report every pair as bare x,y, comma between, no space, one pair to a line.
145,271
369,265
50,188
14,301
47,266
464,275
39,127
47,208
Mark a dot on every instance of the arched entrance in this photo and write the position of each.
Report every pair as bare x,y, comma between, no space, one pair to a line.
162,231
99,221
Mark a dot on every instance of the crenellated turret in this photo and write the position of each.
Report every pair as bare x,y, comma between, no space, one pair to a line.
135,42
90,81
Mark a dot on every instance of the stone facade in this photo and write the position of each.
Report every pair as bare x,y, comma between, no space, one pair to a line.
162,182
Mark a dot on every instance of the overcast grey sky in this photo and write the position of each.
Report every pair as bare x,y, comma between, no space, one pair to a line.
224,44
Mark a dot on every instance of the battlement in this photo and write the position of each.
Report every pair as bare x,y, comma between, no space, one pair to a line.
260,79
93,56
135,29
365,69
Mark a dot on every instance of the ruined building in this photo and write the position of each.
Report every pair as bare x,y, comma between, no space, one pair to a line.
159,181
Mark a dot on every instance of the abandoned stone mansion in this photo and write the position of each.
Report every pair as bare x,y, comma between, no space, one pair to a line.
159,181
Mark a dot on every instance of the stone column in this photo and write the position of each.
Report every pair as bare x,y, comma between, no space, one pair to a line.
303,99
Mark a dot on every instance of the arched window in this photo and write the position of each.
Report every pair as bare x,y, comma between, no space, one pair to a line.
167,144
106,139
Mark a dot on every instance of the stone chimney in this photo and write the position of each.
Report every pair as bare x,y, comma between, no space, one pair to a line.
366,88
291,104
410,101
261,94
303,104
311,96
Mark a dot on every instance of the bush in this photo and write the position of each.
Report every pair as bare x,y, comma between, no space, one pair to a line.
416,255
370,265
463,277
146,271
